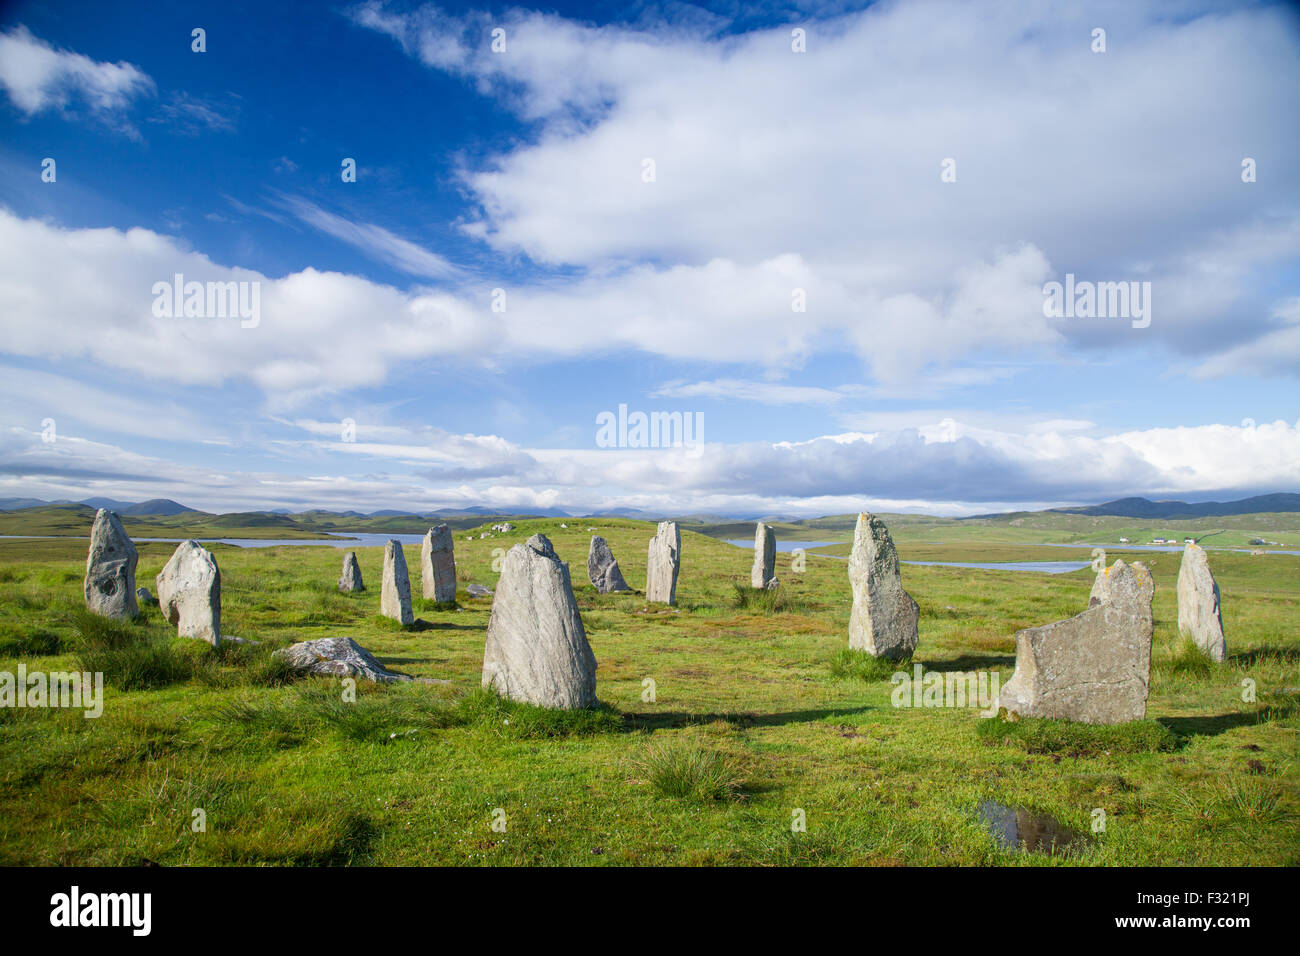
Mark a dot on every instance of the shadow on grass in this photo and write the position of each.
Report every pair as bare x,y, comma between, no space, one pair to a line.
740,719
1208,726
1266,654
971,662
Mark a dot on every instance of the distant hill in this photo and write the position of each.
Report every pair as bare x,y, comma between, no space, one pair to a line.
1145,508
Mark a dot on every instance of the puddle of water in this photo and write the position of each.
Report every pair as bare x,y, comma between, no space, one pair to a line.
1015,828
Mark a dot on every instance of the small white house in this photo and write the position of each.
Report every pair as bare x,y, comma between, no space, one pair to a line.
1189,540
1123,540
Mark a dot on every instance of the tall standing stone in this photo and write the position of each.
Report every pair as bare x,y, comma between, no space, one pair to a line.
537,649
1094,667
1199,614
110,568
189,592
438,565
395,592
351,579
884,618
602,569
763,574
663,564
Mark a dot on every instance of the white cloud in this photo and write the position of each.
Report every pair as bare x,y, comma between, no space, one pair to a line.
38,77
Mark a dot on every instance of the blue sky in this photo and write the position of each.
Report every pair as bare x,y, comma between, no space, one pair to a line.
922,375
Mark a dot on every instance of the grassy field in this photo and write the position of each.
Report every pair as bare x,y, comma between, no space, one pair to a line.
757,714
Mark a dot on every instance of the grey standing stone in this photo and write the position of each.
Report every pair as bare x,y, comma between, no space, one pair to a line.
395,591
537,648
884,618
1199,614
763,574
189,592
351,579
143,596
663,564
438,565
1094,667
602,569
110,568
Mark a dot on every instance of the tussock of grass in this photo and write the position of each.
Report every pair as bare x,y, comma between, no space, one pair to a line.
764,600
1040,736
1187,660
850,664
130,656
690,772
1249,801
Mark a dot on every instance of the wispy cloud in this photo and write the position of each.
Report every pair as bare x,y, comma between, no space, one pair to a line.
374,241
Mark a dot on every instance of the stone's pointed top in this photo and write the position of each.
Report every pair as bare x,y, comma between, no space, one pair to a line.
542,545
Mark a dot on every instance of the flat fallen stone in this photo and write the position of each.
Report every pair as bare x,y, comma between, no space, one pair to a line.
663,564
884,618
189,592
351,579
438,565
763,573
1199,613
1094,667
109,586
537,648
341,657
478,590
395,590
602,569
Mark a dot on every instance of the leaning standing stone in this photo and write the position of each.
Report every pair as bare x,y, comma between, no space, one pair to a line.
884,618
189,592
537,649
763,574
351,579
602,569
395,592
438,565
1094,667
663,564
110,568
1199,614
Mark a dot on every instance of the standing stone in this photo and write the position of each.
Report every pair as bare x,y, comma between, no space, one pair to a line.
1094,667
884,618
603,569
351,580
438,565
189,592
110,568
1199,614
663,564
537,649
763,574
395,591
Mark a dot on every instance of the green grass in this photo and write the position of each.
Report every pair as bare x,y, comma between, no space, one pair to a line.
849,664
755,712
